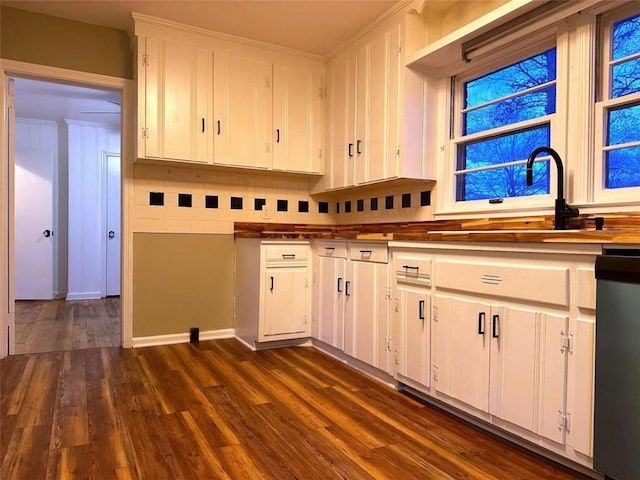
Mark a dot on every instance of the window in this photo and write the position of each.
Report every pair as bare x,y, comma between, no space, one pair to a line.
618,167
502,116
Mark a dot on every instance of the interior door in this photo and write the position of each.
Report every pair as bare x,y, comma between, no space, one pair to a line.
113,225
35,156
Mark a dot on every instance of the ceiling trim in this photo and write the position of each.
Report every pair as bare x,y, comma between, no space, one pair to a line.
161,22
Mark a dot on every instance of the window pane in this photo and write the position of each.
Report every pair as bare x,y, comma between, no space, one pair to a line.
507,181
623,168
625,78
626,38
503,149
515,78
503,182
517,109
623,125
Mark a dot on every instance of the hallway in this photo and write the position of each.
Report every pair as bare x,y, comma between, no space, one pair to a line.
59,325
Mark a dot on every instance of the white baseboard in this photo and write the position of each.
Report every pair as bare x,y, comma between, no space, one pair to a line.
156,340
84,296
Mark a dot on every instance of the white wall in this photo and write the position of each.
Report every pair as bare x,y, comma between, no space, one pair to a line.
87,143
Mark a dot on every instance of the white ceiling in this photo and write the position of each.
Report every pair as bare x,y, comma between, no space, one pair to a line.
57,102
317,27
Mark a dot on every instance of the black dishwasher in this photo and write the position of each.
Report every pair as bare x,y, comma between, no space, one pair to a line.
616,446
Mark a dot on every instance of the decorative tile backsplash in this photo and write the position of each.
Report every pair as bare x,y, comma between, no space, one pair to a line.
210,201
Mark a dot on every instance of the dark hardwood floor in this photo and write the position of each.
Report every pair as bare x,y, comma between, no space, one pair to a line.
58,325
218,410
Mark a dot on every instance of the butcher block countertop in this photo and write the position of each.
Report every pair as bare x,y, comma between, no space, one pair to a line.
618,228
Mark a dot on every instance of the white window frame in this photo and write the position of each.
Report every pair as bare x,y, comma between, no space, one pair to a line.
493,61
602,195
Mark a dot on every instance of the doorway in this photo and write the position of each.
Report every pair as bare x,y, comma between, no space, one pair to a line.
72,224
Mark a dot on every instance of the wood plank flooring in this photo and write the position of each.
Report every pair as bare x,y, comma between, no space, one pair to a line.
218,410
58,325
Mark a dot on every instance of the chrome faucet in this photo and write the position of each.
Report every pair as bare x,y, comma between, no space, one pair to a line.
563,210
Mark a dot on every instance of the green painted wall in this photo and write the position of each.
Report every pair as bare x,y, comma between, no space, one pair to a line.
57,42
182,281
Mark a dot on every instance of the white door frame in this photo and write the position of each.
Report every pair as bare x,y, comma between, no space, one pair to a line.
11,68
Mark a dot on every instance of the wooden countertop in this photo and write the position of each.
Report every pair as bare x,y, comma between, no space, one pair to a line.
618,228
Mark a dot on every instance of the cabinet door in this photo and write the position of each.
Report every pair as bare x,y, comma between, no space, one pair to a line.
553,367
298,115
341,90
177,101
363,99
379,114
580,383
366,317
331,285
286,309
414,348
463,360
242,111
528,366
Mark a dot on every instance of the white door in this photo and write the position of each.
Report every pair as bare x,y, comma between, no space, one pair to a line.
113,224
35,156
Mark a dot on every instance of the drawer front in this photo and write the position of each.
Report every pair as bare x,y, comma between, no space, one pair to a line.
369,252
332,249
412,269
537,284
286,254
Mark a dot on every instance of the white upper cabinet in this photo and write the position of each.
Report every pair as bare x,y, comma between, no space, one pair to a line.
175,97
242,110
204,98
298,118
367,91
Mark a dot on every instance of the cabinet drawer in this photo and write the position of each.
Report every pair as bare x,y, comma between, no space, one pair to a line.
281,255
539,284
332,249
412,269
368,252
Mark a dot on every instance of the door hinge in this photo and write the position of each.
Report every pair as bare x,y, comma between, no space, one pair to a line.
566,342
145,59
395,357
396,304
435,313
435,373
320,153
399,49
267,147
388,344
387,293
397,151
145,132
564,421
322,92
267,82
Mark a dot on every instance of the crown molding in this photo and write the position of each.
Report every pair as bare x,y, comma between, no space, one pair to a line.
225,37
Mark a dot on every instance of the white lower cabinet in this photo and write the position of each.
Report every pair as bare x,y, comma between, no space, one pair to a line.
273,294
366,324
509,337
508,362
330,286
412,314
